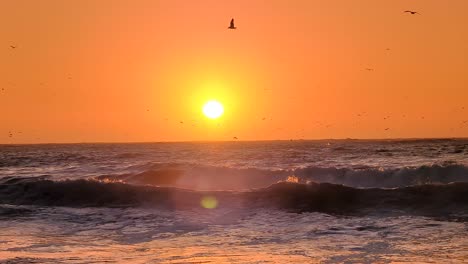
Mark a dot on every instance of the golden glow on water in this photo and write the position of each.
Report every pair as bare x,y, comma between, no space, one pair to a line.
270,236
209,202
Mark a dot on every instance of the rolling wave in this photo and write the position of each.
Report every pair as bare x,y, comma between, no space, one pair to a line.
429,199
386,178
200,177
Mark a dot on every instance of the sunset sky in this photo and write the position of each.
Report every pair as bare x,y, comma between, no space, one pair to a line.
125,71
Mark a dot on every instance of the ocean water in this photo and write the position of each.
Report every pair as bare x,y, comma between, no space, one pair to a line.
328,201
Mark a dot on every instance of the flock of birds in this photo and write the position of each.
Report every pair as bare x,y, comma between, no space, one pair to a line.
232,27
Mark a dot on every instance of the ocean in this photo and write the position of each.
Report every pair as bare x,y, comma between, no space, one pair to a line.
322,201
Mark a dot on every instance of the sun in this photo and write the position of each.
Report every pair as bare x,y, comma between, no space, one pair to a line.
213,109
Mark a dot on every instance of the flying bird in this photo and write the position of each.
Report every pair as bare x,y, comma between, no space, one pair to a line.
231,26
369,69
411,12
13,47
235,138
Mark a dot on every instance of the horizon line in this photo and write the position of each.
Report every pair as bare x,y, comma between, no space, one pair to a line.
239,140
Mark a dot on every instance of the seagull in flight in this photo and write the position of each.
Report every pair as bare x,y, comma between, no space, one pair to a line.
13,47
231,26
411,12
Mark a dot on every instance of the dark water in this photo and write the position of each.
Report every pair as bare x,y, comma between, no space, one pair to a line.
235,202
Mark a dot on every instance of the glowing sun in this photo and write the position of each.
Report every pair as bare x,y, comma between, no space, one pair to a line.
213,109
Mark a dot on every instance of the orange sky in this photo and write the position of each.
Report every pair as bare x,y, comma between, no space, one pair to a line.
114,70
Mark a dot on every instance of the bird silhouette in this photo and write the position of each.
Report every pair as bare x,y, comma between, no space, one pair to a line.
411,12
234,138
231,25
369,69
13,47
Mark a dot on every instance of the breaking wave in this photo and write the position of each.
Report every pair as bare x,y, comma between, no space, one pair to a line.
386,178
429,199
199,177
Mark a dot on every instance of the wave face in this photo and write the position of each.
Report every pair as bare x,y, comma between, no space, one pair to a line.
198,177
329,198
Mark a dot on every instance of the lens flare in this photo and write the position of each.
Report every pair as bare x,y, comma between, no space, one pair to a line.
209,202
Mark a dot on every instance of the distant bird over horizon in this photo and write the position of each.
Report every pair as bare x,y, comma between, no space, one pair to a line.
411,12
13,47
231,25
235,138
